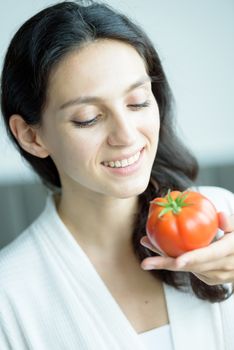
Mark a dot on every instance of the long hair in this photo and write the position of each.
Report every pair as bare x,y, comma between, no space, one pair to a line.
38,46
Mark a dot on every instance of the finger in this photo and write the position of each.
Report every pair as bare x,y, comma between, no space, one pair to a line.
216,250
146,243
226,223
167,263
224,264
207,280
160,263
215,277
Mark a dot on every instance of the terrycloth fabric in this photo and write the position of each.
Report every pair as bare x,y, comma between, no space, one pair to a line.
156,336
51,297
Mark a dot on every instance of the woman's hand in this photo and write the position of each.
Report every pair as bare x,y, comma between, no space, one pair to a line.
213,264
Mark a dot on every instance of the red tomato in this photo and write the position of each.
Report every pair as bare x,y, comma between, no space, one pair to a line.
181,221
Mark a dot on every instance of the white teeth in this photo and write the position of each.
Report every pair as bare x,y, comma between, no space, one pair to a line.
117,164
123,163
131,160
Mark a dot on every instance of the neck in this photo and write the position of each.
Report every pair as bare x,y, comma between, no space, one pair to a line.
99,223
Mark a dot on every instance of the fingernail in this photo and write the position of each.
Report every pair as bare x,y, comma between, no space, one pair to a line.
146,245
148,267
142,242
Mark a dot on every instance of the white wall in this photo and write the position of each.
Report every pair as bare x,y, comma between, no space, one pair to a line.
195,43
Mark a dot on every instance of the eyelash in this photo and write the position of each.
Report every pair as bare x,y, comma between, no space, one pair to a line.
94,120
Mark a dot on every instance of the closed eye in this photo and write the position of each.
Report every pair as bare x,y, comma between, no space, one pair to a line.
140,105
93,121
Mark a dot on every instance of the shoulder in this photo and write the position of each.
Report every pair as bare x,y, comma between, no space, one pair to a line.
20,258
222,198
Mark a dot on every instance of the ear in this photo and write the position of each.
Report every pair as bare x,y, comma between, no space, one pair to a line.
27,137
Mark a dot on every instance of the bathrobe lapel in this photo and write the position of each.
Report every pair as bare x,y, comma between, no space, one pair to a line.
98,315
195,324
122,335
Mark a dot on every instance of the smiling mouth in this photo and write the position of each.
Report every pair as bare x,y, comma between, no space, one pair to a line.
124,162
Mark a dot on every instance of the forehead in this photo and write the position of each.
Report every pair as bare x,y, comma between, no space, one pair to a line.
103,67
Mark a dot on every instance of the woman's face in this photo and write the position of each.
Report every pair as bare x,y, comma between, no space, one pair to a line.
100,109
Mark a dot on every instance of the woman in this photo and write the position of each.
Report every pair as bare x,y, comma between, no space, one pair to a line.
87,104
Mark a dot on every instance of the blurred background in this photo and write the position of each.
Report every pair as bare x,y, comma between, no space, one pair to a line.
195,42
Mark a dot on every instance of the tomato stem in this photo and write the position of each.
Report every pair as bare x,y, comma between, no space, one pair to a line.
174,205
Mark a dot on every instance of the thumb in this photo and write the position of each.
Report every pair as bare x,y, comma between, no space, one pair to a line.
226,222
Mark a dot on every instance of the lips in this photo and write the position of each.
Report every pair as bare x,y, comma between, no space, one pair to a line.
124,170
125,162
123,157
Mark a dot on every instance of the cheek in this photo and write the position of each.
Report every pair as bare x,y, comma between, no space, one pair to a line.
156,117
78,148
151,122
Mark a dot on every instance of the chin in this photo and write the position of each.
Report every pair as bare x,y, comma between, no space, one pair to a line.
131,191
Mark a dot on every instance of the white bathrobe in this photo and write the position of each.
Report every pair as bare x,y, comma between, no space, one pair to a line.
52,298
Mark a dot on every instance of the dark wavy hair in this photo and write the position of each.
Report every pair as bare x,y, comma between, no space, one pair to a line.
40,44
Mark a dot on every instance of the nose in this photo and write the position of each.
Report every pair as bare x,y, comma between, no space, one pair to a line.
122,131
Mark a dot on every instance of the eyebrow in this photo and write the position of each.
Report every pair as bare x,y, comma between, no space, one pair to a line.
89,99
